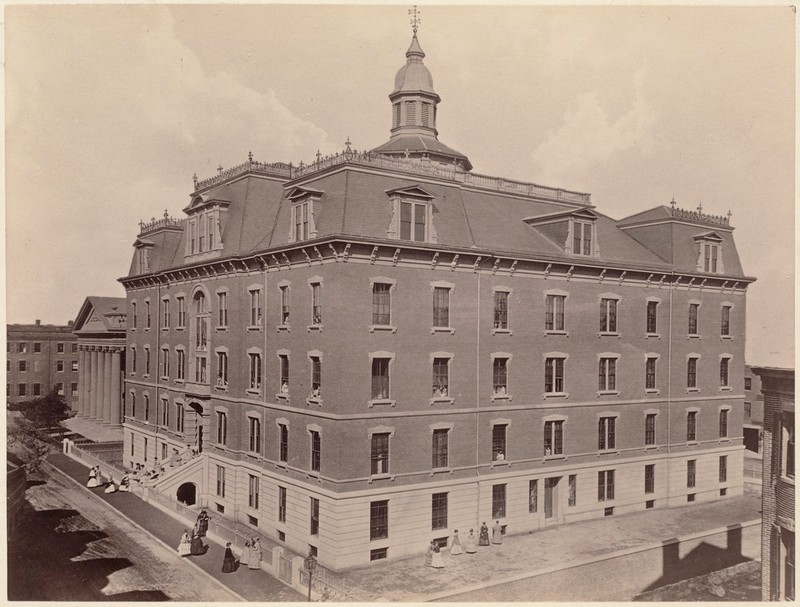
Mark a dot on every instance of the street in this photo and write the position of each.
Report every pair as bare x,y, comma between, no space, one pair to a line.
73,547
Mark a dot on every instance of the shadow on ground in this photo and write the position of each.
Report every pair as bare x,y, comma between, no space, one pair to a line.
45,564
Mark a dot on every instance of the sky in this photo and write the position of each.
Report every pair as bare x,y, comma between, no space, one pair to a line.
110,110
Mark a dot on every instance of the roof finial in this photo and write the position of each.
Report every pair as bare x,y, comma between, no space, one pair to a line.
700,208
219,168
348,144
415,19
672,203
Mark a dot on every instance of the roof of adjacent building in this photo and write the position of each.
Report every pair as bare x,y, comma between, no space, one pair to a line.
101,315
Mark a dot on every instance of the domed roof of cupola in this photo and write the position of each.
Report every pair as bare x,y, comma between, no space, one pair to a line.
414,76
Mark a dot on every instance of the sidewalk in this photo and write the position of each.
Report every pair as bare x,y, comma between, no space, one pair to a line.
252,585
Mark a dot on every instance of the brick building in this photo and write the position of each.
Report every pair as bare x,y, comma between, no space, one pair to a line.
753,410
379,347
40,358
777,482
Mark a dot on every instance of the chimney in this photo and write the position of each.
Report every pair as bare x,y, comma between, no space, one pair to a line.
38,322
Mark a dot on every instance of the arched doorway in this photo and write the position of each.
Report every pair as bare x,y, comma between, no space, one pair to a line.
187,494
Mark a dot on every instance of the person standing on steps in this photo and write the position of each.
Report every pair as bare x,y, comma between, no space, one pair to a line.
483,540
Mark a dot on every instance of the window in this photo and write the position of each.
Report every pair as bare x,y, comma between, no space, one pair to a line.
498,501
165,313
22,347
396,114
501,310
36,365
314,516
438,511
554,437
316,303
60,347
379,456
181,370
146,408
723,423
22,389
23,365
316,451
283,431
606,433
179,417
788,569
723,468
281,504
252,491
441,307
652,317
380,378
411,113
787,445
499,442
60,388
650,429
74,365
608,315
222,369
59,365
605,485
725,328
381,303
255,371
554,312
220,481
133,405
181,303
607,375
440,384
691,426
37,389
37,347
572,499
255,308
379,520
145,449
222,309
533,496
693,309
554,375
254,433
300,212
74,348
748,410
710,256
284,371
378,554
284,305
691,473
650,373
133,359
650,478
316,376
439,448
500,376
222,428
582,238
146,360
165,413
147,314
724,366
691,372
748,383
165,362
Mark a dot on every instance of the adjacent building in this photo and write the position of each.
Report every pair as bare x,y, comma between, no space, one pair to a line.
381,346
778,485
41,358
753,411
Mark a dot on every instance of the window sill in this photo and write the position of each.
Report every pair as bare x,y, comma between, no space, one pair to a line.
726,336
692,390
507,397
254,328
557,456
147,329
607,393
555,332
608,334
180,328
555,395
691,442
179,381
380,477
725,388
693,336
221,388
382,401
146,376
449,330
253,391
502,332
225,329
282,396
442,399
651,447
315,328
499,462
444,470
164,378
283,329
314,401
724,439
373,328
164,329
608,451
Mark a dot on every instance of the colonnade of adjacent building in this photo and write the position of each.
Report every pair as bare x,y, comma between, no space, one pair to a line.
100,383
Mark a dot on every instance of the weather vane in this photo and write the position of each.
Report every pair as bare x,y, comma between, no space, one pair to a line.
415,18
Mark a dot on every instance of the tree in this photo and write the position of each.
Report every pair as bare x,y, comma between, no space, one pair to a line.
46,411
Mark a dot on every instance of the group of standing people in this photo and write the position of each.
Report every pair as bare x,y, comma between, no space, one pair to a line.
434,558
96,480
192,544
251,554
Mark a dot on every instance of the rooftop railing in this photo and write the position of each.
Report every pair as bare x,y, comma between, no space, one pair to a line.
165,222
699,215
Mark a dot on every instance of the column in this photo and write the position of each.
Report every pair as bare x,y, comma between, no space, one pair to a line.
94,383
116,390
106,415
81,380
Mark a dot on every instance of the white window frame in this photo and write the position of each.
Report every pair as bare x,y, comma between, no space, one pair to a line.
390,356
606,330
450,288
564,358
441,398
608,390
556,295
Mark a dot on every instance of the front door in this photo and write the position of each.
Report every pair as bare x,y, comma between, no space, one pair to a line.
550,498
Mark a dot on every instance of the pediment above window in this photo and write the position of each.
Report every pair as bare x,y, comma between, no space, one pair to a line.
710,236
297,194
144,243
415,191
412,213
213,198
575,231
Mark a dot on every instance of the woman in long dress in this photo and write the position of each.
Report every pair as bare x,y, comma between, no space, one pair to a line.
438,561
469,543
255,554
125,484
455,544
185,547
483,540
197,542
93,478
429,554
202,520
245,558
111,486
497,533
229,562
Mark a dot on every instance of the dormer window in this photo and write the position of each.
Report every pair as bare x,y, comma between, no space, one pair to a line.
710,256
710,253
143,261
582,237
303,202
412,215
142,255
203,224
574,231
